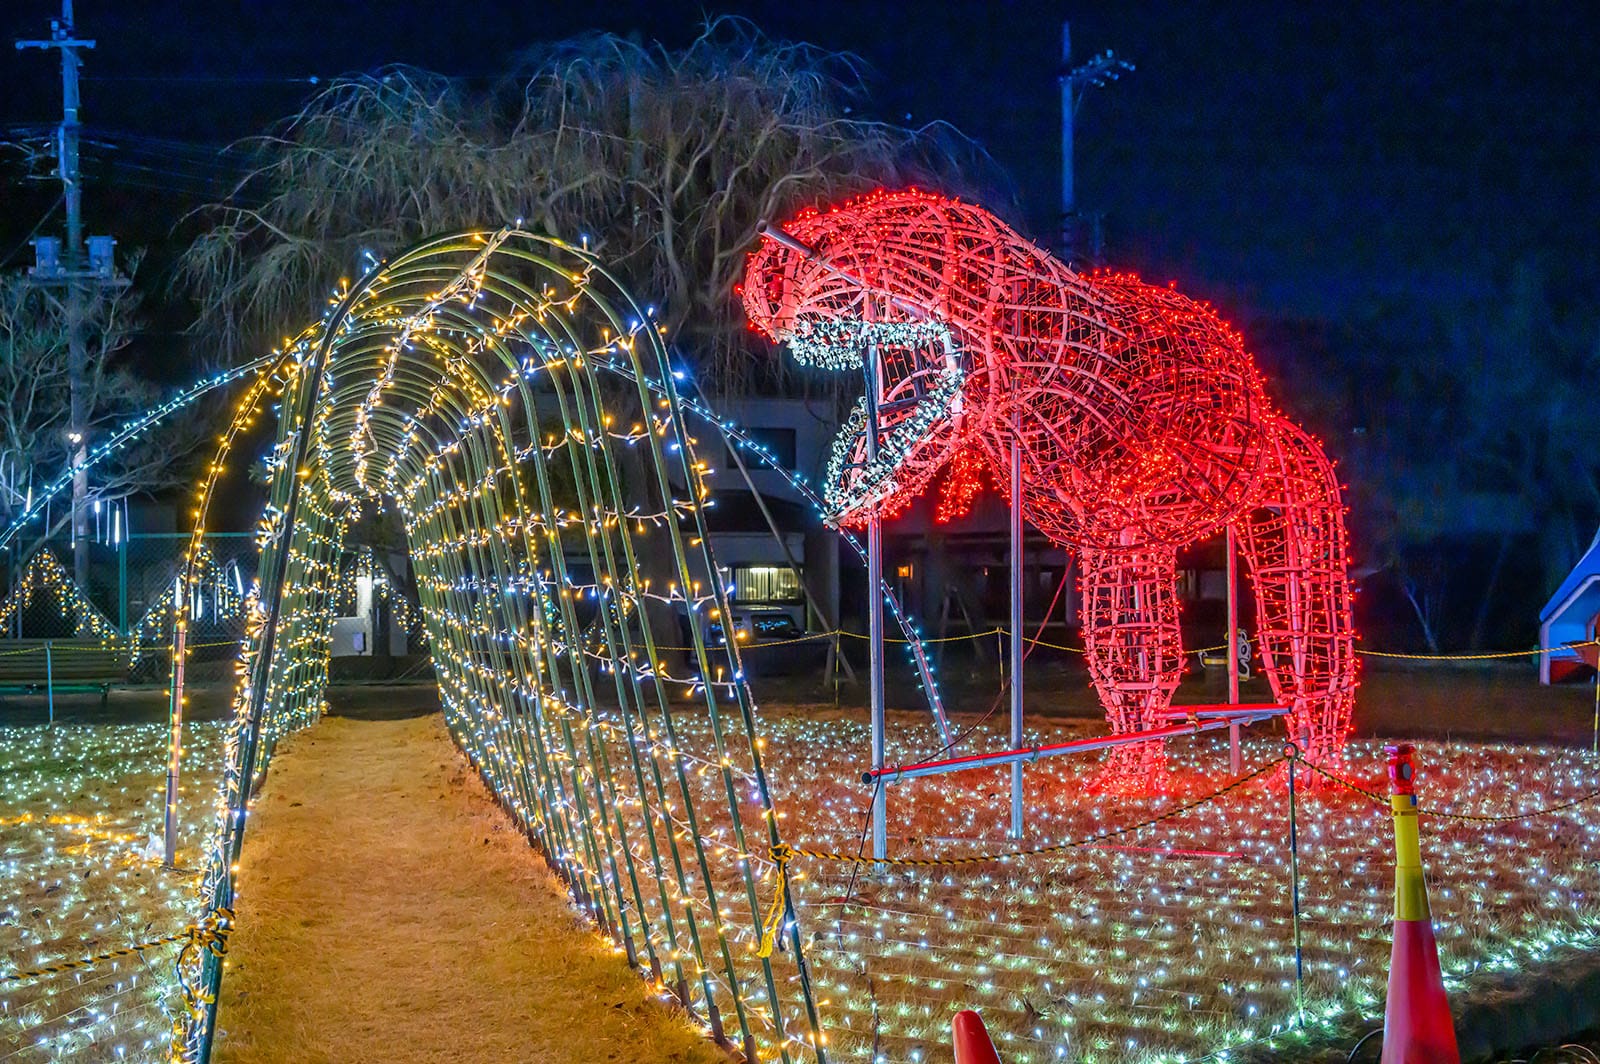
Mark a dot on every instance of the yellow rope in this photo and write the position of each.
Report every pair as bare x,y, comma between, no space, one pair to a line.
745,647
212,932
1465,657
928,642
997,631
1445,814
781,855
1346,784
85,648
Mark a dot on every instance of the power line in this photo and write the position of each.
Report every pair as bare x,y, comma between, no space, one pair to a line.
45,217
210,79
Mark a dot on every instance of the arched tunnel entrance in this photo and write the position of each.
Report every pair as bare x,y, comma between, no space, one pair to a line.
514,404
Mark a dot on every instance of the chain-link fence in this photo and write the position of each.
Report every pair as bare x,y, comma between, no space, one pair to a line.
127,597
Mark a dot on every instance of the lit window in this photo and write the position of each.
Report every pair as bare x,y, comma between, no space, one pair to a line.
765,583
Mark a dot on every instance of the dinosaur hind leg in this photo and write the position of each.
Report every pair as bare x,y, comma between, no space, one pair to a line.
1134,651
1295,547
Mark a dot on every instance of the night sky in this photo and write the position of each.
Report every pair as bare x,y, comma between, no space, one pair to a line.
1290,161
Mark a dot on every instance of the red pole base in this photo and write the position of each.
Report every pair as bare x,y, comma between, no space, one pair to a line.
972,1039
1416,1019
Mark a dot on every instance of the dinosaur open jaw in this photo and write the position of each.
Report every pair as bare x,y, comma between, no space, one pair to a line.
887,450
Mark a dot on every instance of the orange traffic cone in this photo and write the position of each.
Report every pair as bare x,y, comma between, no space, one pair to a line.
972,1040
1416,1019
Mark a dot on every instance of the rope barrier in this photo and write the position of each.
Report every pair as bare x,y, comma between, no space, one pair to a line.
1470,657
747,646
770,927
212,933
927,642
69,647
1001,631
1444,814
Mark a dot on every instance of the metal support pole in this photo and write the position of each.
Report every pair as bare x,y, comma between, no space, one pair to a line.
1015,830
1233,618
1235,755
49,682
175,742
122,583
1294,889
880,827
63,40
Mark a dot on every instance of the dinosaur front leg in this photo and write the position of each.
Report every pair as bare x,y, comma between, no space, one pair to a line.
1296,550
1134,650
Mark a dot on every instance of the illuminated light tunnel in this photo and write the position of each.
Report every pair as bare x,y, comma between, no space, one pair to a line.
1142,423
514,405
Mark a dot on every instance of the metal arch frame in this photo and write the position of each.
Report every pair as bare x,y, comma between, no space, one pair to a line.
276,374
518,693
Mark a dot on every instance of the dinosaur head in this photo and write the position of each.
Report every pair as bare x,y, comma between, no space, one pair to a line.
824,287
1136,410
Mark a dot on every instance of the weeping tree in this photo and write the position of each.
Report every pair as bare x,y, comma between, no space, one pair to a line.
665,161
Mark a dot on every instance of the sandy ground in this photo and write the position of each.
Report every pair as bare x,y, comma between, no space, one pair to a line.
389,912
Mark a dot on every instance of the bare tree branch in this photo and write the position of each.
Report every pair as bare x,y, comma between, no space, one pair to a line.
35,401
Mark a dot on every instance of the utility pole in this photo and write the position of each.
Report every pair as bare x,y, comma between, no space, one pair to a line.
68,271
1097,72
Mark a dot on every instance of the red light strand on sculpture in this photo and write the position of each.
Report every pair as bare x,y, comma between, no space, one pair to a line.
1143,425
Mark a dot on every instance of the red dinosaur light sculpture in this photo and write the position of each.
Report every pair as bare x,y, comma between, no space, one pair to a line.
1143,427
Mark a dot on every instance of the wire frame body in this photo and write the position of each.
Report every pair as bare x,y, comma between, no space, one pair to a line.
514,404
1143,426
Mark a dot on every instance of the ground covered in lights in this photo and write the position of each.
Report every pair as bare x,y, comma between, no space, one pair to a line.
1175,943
1172,944
80,874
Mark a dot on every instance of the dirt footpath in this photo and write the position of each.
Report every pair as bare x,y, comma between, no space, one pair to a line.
389,912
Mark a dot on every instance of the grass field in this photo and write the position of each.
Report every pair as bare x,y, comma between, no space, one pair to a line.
1174,943
1171,944
79,875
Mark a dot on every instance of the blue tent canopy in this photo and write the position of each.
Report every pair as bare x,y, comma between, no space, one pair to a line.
1569,615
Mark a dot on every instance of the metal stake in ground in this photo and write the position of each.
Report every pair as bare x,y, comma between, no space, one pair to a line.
1017,656
880,827
1294,890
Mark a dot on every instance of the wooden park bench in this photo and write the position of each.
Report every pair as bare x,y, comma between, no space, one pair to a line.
46,666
